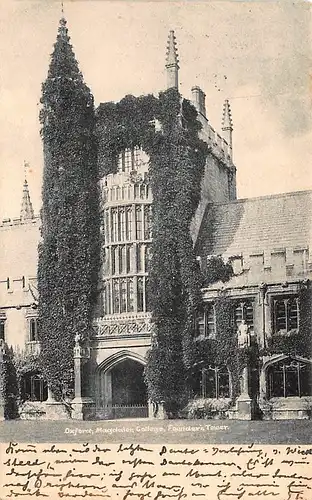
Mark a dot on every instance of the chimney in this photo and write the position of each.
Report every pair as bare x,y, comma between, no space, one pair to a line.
198,97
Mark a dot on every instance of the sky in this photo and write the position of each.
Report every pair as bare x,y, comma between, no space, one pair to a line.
256,54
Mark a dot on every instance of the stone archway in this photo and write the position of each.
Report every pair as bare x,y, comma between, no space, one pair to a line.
121,391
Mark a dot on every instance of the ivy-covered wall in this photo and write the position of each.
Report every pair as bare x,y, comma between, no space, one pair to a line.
69,252
177,160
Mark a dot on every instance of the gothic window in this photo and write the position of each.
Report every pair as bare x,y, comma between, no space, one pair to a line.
136,157
142,191
286,314
2,329
244,311
123,296
206,322
122,224
114,225
148,256
289,378
138,221
122,259
147,222
116,298
213,382
129,256
34,387
128,160
140,294
107,303
140,258
130,294
106,225
129,223
33,330
114,259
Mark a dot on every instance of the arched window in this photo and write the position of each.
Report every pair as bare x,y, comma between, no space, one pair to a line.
138,222
34,387
33,330
244,311
286,314
212,382
206,323
289,377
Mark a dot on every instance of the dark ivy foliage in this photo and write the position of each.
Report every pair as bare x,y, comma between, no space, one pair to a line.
177,160
8,383
296,343
69,252
217,270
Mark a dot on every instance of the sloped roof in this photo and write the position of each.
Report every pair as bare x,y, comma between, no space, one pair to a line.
257,224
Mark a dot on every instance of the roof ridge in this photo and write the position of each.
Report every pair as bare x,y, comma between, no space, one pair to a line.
262,197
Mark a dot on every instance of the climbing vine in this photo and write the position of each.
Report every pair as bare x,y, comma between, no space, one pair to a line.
167,130
69,252
296,343
8,382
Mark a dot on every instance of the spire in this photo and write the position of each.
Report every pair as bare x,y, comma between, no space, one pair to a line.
227,123
172,62
27,211
63,62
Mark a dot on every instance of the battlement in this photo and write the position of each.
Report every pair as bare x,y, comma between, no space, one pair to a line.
269,265
218,145
17,221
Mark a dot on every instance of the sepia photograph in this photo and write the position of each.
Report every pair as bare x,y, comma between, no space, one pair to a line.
155,249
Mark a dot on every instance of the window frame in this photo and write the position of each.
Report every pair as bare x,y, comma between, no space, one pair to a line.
286,300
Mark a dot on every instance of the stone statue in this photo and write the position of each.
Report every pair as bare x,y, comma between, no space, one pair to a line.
243,337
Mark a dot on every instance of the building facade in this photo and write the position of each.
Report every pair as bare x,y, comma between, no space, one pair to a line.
266,239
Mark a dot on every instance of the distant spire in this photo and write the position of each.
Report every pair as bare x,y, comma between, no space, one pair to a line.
172,62
27,211
227,123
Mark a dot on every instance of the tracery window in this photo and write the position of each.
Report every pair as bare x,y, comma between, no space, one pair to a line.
115,224
138,222
212,382
129,258
206,322
244,311
114,251
129,223
116,296
122,259
140,295
123,296
130,294
289,377
33,330
147,222
130,159
285,314
122,224
34,387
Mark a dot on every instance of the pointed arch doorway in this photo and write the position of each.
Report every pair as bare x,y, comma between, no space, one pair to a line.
122,390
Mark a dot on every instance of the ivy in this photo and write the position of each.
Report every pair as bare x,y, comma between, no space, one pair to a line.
8,383
295,343
177,160
69,251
